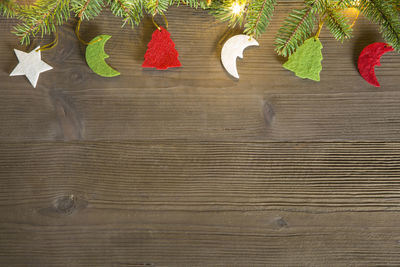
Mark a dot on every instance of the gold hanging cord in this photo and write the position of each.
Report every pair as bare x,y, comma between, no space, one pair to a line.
321,23
355,19
155,24
49,45
78,26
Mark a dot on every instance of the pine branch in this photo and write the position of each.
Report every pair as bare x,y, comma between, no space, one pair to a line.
297,27
258,15
153,7
42,17
342,4
192,3
87,9
8,8
384,13
130,10
338,24
223,10
318,6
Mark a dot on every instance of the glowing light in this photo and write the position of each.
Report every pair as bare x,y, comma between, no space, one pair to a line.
353,11
237,8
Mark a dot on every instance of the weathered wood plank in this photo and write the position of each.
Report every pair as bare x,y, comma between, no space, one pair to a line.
199,203
235,197
344,176
180,238
200,100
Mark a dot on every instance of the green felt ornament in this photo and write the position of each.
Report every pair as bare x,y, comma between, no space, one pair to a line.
95,56
306,61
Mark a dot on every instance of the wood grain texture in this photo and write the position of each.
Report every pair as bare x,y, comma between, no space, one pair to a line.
199,100
200,203
188,167
195,204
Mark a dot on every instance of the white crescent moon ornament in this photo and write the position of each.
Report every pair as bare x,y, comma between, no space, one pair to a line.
234,48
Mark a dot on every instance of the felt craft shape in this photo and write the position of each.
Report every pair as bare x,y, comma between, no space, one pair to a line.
95,56
234,48
306,61
161,53
31,65
369,58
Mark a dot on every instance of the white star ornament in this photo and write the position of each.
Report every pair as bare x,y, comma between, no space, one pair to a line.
31,65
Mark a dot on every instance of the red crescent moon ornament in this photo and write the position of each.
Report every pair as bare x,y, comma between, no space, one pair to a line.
369,58
161,53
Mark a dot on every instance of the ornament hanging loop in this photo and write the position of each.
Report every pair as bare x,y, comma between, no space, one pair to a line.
78,26
49,45
355,19
319,29
155,24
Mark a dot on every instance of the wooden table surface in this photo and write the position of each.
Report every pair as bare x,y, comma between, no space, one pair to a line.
189,167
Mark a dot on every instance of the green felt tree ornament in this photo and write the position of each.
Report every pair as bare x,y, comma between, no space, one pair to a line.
306,61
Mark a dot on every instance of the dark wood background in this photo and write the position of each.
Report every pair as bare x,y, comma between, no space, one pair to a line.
188,167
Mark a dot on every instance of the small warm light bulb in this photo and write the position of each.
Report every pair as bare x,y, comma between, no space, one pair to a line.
353,11
236,8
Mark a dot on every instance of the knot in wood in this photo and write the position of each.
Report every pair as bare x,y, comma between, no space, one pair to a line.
65,204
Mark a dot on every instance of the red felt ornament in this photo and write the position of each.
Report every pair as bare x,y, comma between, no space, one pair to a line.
161,53
369,58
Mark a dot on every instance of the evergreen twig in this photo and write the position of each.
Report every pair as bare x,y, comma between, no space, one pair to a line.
204,4
297,27
130,10
258,16
338,24
8,8
153,7
87,9
385,14
224,10
42,17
